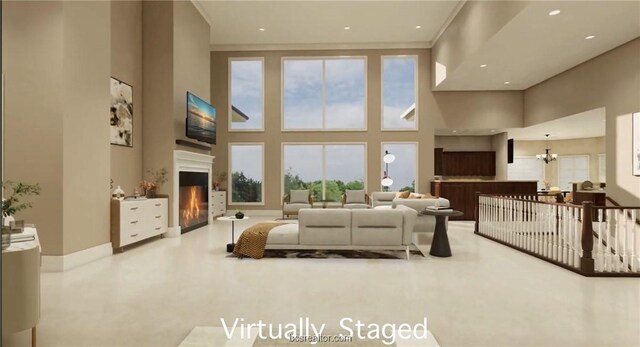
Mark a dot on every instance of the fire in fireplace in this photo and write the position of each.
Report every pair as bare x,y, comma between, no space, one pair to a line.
193,200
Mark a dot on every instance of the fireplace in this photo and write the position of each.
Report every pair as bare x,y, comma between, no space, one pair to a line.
193,200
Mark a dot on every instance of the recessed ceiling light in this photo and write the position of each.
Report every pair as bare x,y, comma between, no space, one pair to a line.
483,65
347,28
507,82
454,131
418,26
261,29
493,131
554,12
589,37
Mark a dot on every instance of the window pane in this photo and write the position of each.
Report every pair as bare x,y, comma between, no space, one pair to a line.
302,94
602,168
572,169
345,93
303,168
403,170
246,94
246,173
399,93
344,169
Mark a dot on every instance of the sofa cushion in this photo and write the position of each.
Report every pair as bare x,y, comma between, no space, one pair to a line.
294,207
284,235
356,206
403,195
384,196
299,196
381,227
325,226
355,197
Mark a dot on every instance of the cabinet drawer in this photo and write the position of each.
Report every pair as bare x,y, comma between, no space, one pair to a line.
130,236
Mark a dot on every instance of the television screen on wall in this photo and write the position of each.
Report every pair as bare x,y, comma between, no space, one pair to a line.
201,120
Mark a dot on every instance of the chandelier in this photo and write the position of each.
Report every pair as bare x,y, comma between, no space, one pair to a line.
547,156
386,179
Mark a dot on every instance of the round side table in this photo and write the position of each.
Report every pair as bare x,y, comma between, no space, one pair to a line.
440,244
233,220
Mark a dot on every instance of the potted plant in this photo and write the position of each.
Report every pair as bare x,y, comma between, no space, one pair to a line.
239,214
158,177
218,179
13,204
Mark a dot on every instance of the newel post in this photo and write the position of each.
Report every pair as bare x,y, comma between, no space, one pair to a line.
477,212
587,264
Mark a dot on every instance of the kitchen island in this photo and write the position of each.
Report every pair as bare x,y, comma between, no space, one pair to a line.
461,193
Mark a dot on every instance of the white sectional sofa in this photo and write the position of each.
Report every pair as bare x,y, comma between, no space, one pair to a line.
385,200
367,229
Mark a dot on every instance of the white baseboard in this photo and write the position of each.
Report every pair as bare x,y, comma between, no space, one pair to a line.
60,263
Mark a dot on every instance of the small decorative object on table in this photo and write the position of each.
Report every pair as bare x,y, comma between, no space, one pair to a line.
12,205
219,178
118,194
239,214
158,177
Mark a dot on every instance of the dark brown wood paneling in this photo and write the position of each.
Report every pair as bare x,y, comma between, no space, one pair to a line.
462,195
468,163
437,157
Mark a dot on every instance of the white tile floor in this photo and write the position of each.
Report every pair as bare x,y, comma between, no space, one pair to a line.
485,295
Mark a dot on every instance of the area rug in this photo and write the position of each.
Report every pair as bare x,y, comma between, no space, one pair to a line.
215,337
334,254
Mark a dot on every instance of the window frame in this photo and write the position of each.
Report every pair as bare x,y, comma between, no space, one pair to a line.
230,179
324,168
417,144
574,156
416,91
324,100
229,96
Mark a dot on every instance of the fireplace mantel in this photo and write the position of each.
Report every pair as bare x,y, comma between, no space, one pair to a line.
191,162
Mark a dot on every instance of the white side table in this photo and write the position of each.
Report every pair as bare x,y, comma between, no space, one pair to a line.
233,220
21,286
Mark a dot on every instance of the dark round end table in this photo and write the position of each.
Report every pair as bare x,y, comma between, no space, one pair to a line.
440,244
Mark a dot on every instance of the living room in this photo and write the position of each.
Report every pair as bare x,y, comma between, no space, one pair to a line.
261,121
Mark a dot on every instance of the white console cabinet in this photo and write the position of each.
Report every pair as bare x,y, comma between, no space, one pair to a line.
136,220
218,203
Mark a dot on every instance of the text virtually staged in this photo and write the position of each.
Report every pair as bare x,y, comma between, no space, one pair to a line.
306,330
358,173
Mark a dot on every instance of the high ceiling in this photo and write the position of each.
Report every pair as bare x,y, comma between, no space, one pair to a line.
582,125
535,46
311,24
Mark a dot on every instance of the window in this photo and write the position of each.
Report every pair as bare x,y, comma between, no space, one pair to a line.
572,169
324,94
399,93
527,169
602,168
326,169
246,165
246,85
404,169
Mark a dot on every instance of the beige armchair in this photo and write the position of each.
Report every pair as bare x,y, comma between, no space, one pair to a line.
296,200
355,199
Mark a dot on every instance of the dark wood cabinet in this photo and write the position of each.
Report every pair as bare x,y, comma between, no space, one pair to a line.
462,194
437,161
467,163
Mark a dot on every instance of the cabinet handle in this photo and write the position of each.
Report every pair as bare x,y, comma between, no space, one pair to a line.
134,222
158,228
134,235
134,208
158,216
158,204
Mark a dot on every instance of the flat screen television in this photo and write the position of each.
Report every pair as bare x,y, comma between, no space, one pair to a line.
201,120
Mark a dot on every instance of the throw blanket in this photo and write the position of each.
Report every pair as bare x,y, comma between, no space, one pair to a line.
253,240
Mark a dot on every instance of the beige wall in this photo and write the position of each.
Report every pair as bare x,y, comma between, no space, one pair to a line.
592,147
499,145
57,59
126,65
32,55
463,143
611,80
478,110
